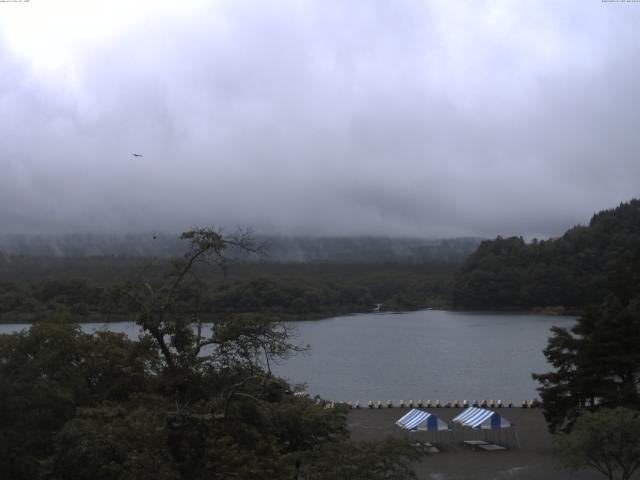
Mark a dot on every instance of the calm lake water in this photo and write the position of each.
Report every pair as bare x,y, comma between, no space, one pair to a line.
429,354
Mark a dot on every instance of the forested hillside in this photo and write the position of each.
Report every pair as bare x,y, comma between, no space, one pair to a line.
281,249
580,268
75,276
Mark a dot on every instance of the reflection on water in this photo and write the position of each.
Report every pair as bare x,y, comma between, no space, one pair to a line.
429,354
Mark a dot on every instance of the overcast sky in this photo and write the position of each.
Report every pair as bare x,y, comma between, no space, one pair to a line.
421,118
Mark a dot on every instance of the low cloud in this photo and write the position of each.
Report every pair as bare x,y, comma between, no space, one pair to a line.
329,118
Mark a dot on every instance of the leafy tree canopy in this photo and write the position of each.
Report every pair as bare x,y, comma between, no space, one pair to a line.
187,400
580,268
596,364
607,440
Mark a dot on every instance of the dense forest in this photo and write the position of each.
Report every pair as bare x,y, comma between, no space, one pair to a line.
176,403
78,276
580,268
88,289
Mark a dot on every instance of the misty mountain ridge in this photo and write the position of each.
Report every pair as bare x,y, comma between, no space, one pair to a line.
300,249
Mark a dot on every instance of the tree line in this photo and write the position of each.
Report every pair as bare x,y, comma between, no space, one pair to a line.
291,249
580,268
286,291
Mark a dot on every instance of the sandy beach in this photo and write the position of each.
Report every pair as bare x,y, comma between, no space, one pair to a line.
533,459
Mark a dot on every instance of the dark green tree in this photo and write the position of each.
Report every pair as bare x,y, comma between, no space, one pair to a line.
187,400
607,440
596,364
113,442
581,268
389,459
50,372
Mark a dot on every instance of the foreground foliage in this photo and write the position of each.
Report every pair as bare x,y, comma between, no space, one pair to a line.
186,400
596,364
607,441
390,459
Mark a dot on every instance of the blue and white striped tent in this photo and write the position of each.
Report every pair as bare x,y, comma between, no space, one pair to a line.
421,420
482,418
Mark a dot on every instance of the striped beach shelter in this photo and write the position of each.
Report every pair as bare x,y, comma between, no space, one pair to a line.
482,418
419,420
486,420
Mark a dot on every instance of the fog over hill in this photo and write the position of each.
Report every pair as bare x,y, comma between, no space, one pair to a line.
280,249
320,118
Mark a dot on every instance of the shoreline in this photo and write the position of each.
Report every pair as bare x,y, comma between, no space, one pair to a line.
535,459
320,316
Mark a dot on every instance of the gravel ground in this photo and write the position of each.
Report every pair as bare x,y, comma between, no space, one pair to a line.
533,459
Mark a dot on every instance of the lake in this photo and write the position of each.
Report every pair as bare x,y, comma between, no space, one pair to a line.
428,354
